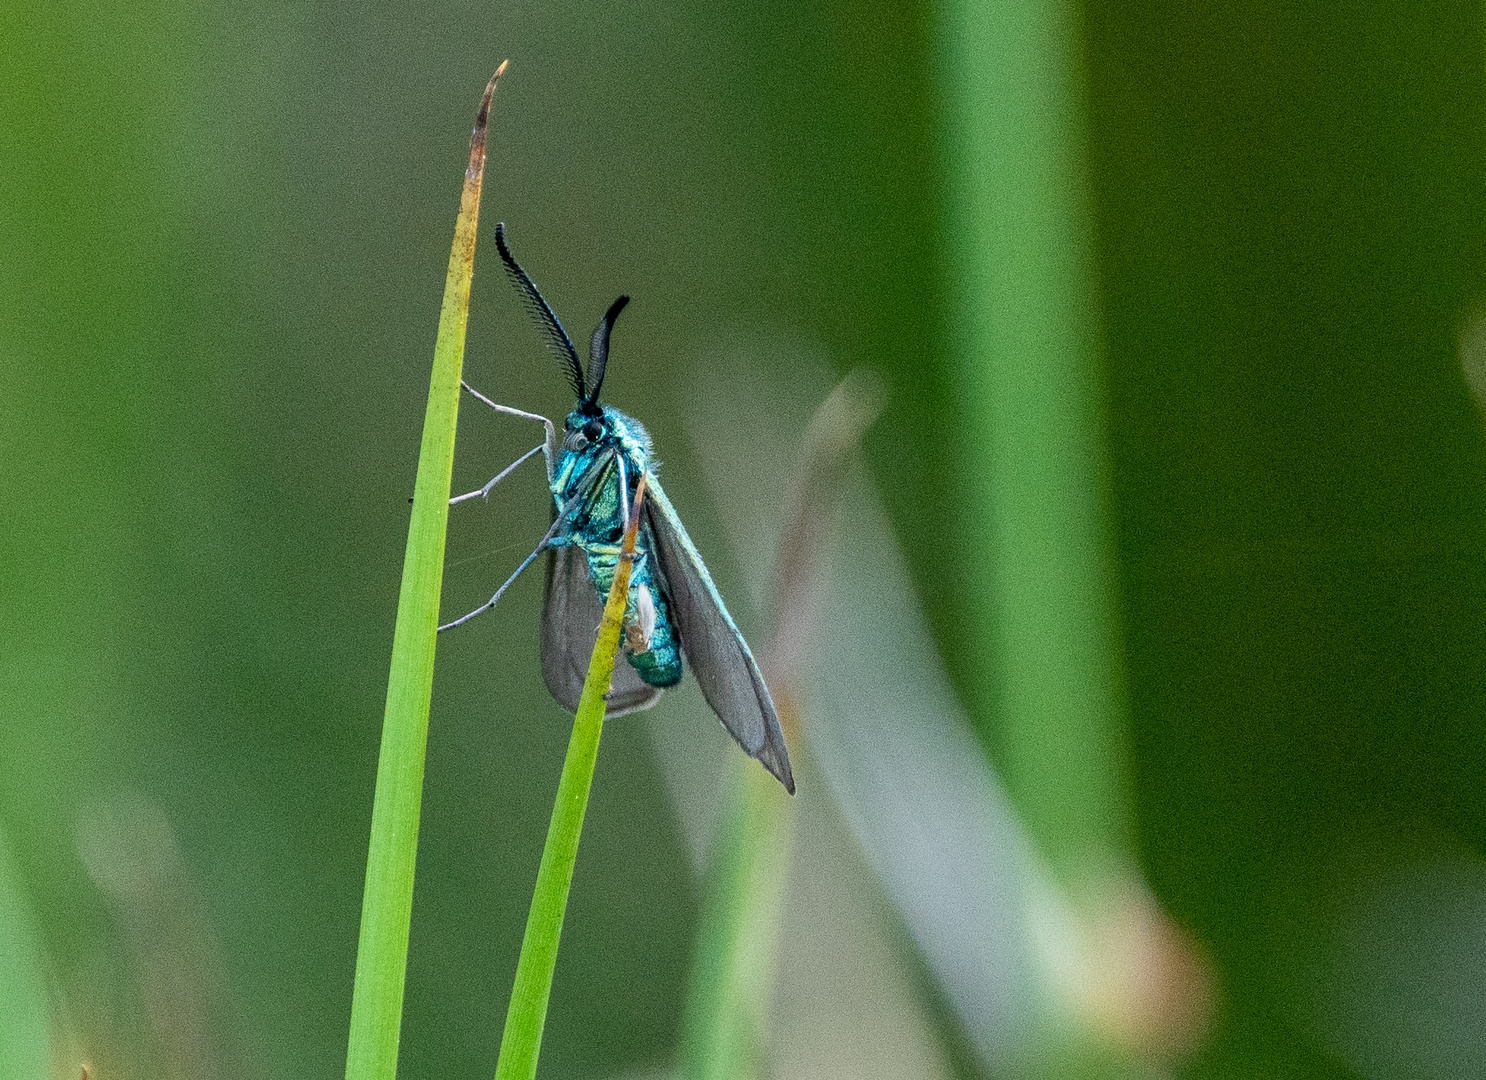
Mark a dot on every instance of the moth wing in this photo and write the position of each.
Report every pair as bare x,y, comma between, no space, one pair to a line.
719,657
571,614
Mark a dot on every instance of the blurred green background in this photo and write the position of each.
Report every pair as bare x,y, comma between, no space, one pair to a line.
223,231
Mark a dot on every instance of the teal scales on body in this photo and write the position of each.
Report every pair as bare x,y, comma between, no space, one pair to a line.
597,526
673,612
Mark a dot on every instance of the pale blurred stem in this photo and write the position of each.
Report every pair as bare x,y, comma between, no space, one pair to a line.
723,1027
526,1015
387,904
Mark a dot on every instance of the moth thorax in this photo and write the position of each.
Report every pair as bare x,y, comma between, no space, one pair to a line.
639,630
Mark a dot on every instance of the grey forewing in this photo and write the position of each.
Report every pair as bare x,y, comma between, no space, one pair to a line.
571,612
719,657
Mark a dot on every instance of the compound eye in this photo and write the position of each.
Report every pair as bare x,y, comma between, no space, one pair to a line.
592,430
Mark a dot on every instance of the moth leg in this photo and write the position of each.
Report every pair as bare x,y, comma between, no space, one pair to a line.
623,488
548,448
484,492
483,608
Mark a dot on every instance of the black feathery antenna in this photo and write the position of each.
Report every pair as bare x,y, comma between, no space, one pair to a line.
557,338
598,355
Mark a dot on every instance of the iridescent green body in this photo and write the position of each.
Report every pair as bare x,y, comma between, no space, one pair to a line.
590,468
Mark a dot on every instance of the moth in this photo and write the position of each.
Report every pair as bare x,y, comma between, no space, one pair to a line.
674,616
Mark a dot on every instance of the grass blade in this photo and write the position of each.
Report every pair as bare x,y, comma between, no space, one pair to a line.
521,1041
387,905
1033,467
25,1050
725,1024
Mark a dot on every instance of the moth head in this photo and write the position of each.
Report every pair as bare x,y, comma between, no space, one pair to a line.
583,430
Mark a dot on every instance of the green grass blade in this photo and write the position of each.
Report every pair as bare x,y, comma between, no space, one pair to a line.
1027,339
387,905
521,1041
25,1049
724,1028
1042,585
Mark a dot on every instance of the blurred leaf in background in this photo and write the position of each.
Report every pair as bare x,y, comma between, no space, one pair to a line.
1024,971
1289,207
222,238
224,230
